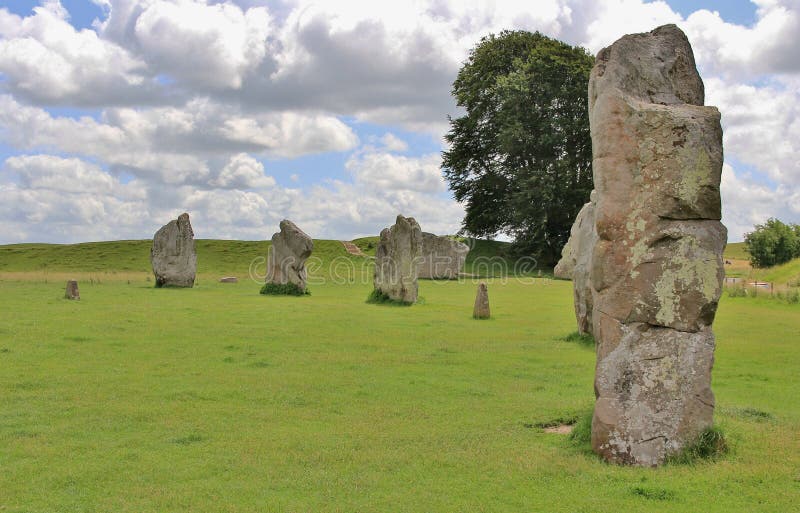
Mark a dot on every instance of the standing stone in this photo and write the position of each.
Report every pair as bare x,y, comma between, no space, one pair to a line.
656,267
575,263
397,260
481,310
442,257
72,290
172,255
286,264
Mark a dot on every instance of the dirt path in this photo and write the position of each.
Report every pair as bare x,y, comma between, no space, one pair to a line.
352,248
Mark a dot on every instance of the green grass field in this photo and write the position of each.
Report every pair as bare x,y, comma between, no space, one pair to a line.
136,399
737,251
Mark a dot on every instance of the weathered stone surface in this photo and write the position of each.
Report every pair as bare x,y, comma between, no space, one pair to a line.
172,256
442,257
481,310
72,290
291,247
397,260
656,265
575,263
229,279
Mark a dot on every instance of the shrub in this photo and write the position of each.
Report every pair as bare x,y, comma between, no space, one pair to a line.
286,289
773,243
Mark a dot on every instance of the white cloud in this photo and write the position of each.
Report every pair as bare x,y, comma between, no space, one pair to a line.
345,210
761,127
745,203
172,145
59,174
739,52
393,143
386,171
243,172
208,45
67,200
190,94
44,58
613,19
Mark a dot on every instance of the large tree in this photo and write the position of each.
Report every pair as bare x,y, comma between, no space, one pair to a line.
520,157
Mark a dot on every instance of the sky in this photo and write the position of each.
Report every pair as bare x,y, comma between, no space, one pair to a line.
118,115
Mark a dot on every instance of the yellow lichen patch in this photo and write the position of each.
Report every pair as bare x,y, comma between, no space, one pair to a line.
692,268
695,177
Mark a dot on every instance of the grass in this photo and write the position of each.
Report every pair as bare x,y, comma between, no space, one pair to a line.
788,273
736,251
583,339
376,297
215,398
581,435
285,289
710,444
368,245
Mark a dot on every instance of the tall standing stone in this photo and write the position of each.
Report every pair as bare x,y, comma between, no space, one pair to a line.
442,257
656,267
575,263
397,260
172,256
71,291
286,264
481,309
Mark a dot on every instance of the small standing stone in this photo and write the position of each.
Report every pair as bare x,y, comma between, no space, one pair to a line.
481,310
72,290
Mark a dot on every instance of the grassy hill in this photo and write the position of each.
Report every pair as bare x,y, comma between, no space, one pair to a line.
214,257
788,273
736,251
133,256
783,275
127,259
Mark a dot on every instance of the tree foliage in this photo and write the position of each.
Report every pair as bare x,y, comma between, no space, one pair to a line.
520,158
773,243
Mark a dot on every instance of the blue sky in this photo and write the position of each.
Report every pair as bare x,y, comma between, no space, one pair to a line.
117,115
740,12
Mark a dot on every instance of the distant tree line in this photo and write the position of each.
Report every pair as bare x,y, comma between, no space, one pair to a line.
773,243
